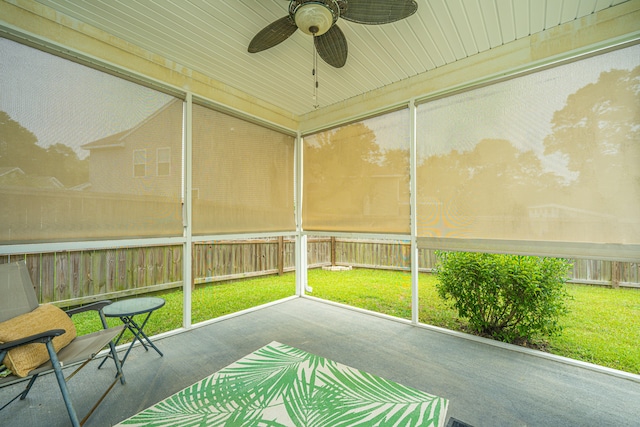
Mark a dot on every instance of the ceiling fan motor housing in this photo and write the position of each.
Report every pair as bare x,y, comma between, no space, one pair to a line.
314,17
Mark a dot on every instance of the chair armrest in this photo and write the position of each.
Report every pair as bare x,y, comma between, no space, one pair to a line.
42,337
96,306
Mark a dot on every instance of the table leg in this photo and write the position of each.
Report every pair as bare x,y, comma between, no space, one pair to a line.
127,321
141,336
138,334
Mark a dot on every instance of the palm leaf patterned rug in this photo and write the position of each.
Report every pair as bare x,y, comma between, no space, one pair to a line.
279,385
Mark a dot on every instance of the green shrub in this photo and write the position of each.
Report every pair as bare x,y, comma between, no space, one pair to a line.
511,298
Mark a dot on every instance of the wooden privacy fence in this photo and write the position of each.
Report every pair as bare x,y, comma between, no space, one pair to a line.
233,259
77,277
396,255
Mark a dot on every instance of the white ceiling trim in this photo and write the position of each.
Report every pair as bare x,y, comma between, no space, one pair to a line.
211,38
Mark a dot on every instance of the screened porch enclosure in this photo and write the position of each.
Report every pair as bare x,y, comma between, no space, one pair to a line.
120,177
144,152
102,198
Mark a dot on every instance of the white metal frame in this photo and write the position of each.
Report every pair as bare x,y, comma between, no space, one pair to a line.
632,252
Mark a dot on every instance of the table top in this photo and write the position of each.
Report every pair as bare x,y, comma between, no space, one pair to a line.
133,306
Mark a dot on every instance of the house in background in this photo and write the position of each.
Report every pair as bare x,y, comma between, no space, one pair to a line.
140,160
15,177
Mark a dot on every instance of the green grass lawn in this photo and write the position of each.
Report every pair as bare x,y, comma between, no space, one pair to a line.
603,327
600,328
208,302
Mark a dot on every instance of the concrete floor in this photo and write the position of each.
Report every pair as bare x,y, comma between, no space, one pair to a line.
486,385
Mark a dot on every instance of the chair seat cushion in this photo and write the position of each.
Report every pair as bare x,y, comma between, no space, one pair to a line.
26,358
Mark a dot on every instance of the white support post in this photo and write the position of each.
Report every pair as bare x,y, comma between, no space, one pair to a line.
186,214
301,239
415,259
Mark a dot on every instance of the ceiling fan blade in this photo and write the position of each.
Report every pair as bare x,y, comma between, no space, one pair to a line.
332,47
378,11
273,34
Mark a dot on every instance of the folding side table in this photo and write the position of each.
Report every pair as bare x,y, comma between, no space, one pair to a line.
126,310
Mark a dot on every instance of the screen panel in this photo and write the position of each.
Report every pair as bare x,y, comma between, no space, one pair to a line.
78,153
548,157
242,176
356,177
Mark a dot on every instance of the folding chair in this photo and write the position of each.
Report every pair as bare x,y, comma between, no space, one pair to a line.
32,327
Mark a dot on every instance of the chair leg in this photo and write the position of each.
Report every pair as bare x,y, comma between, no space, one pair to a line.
23,395
63,385
119,375
9,402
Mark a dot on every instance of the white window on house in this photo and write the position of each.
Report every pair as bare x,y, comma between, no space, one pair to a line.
164,161
139,163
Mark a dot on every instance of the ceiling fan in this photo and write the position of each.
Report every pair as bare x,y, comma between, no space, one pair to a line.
318,18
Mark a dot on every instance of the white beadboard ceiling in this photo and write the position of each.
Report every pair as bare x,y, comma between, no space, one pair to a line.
211,37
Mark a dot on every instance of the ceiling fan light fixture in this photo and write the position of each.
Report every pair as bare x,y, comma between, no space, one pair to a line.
319,18
314,18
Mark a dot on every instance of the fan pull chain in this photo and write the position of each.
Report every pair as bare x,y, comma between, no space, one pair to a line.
315,75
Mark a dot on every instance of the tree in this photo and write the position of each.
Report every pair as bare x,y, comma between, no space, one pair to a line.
598,132
338,161
63,163
19,148
494,181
